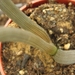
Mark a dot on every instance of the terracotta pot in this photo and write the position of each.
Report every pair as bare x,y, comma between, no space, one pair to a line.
31,4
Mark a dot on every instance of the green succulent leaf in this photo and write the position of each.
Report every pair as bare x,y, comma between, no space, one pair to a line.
20,35
22,20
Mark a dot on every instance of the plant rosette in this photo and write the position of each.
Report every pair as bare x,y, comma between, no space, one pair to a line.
47,9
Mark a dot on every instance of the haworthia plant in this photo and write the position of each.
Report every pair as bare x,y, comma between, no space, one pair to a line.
32,34
27,24
15,35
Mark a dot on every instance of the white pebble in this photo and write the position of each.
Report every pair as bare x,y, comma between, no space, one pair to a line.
61,30
70,3
52,18
50,32
44,11
19,52
64,10
56,8
21,72
67,46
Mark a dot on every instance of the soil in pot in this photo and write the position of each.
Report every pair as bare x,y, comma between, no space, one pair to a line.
22,59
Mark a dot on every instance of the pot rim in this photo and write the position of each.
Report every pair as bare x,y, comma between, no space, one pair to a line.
31,4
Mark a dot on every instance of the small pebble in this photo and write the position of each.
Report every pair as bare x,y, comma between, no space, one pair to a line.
19,53
13,57
61,15
52,18
64,10
50,32
56,8
21,72
8,67
72,74
70,3
44,11
66,36
52,66
61,30
51,9
67,46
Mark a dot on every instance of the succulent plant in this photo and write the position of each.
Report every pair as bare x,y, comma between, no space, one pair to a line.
31,33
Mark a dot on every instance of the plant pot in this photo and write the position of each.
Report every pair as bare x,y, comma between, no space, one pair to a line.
31,4
51,66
